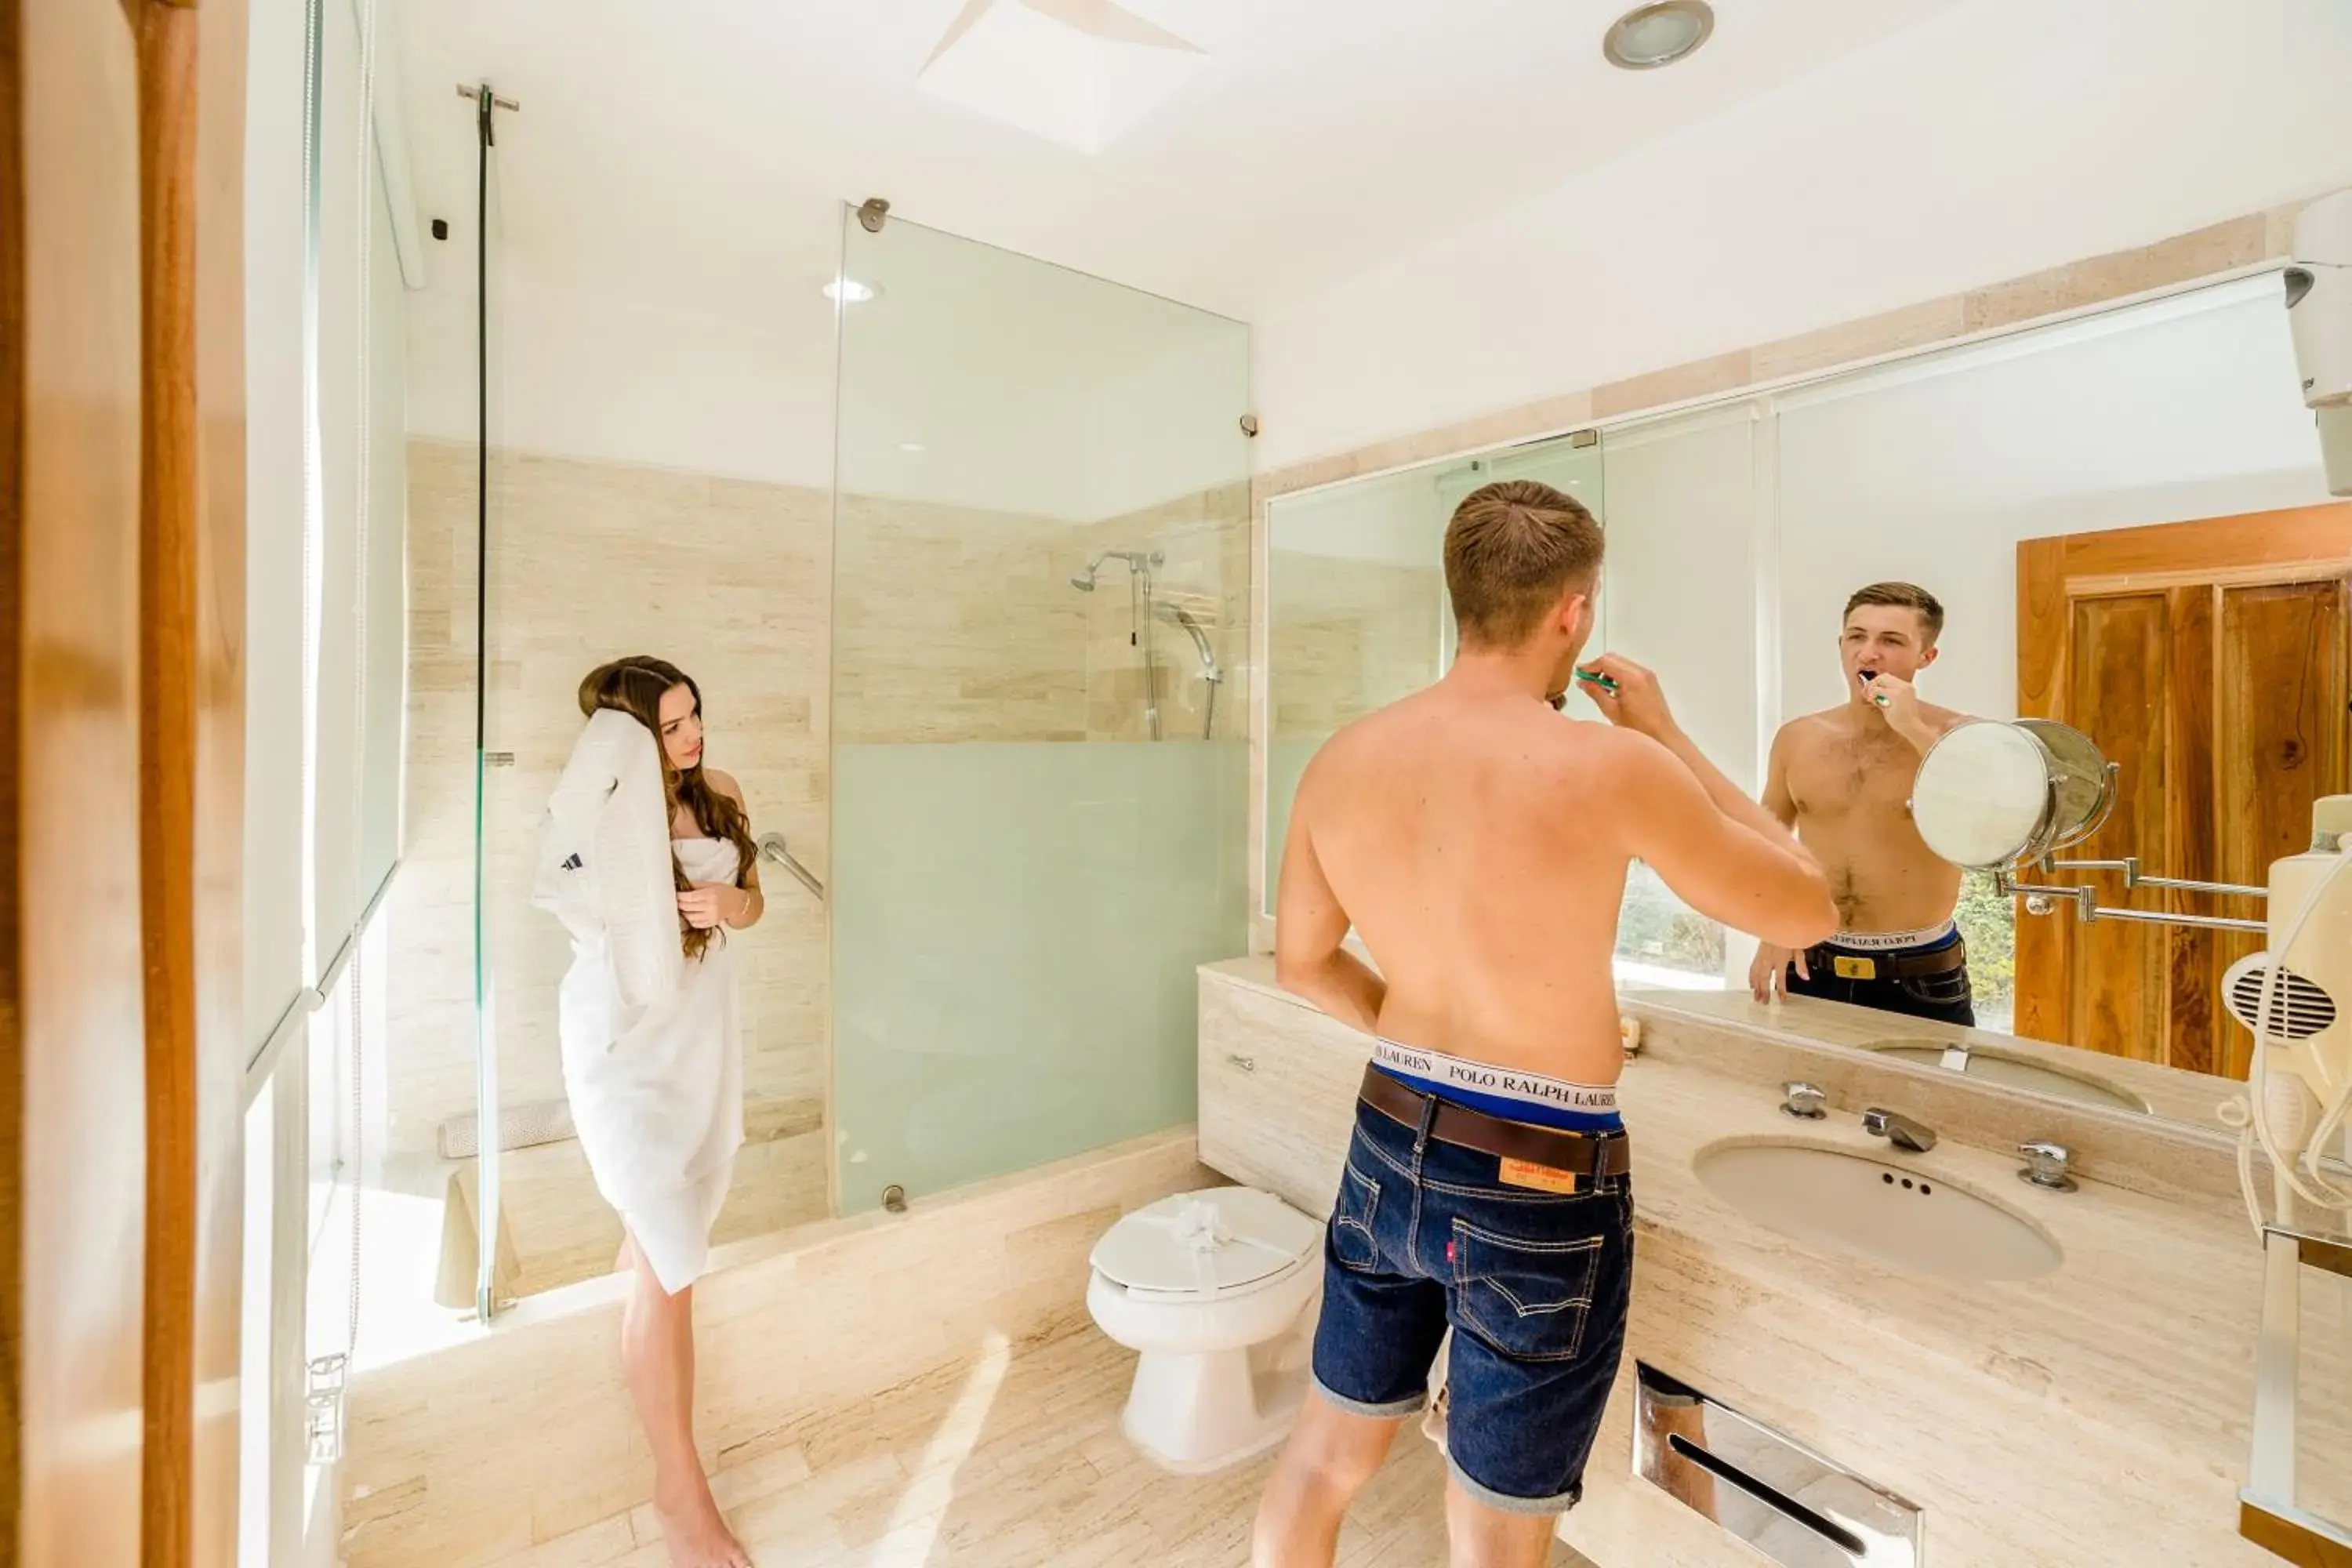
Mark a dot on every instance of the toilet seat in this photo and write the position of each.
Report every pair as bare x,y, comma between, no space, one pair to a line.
1215,1292
1210,1246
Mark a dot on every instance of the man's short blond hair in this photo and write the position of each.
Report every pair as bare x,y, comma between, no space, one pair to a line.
1902,597
1512,552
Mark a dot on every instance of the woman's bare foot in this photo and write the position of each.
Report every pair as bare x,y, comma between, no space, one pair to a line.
696,1534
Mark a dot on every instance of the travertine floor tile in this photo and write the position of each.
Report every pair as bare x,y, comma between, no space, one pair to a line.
1013,1460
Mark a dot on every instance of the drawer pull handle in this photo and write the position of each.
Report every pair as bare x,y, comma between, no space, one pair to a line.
1247,1064
1772,1497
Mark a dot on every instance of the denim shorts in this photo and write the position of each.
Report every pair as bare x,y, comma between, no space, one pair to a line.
1534,1286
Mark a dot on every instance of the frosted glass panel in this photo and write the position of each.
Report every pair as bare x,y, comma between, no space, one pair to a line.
1040,679
1017,927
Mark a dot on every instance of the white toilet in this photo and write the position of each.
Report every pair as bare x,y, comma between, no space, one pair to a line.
1214,1288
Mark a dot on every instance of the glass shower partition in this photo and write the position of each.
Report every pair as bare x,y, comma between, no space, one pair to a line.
1040,639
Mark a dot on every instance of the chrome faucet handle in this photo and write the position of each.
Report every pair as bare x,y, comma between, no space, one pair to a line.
2046,1165
1898,1129
1803,1101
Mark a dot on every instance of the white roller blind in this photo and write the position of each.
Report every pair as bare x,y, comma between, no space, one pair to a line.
362,610
384,728
276,261
344,827
1931,470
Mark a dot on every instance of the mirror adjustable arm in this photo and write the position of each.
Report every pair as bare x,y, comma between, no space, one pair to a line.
2129,866
2040,897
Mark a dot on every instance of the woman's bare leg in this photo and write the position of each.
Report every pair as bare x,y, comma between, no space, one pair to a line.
658,1356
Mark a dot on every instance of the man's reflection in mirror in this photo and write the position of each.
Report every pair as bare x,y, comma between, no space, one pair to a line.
1842,778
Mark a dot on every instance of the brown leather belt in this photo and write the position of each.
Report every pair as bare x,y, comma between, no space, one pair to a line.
1823,959
1582,1153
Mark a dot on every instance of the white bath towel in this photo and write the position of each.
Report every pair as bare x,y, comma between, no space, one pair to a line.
652,1064
605,859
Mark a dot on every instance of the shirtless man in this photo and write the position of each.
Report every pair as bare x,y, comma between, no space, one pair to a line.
1842,778
1477,843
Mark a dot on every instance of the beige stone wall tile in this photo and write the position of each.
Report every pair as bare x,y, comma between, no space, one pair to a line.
1892,332
2239,242
1675,384
2278,229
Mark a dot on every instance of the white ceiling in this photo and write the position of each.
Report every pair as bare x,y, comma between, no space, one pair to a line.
705,145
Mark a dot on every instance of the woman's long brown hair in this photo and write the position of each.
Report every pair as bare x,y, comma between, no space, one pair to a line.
635,686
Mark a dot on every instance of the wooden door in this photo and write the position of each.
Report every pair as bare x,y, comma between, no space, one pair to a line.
73,105
2209,660
122,609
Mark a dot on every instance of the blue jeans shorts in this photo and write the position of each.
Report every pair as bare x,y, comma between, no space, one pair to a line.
1534,1286
1944,997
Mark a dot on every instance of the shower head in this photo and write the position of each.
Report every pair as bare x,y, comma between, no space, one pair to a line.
1138,564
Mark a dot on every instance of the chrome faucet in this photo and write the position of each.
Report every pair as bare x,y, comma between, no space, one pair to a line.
1898,1129
1803,1101
2046,1164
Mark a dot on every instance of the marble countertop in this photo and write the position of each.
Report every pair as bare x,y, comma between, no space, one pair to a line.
2170,1094
2098,1416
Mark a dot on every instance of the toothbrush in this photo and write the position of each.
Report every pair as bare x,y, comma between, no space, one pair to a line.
1601,681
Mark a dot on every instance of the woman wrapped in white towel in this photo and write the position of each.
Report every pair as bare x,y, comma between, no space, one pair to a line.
646,856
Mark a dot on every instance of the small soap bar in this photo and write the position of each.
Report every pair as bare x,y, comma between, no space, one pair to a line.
1629,1032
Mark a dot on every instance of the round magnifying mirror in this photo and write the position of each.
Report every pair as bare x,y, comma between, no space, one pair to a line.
1982,795
1990,795
2082,781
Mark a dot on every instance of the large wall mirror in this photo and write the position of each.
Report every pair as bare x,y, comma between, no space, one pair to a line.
2124,520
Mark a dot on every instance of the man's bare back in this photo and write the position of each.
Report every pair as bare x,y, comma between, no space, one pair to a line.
1845,777
1468,840
1477,843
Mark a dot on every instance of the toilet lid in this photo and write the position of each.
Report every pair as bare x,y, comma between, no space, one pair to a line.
1211,1241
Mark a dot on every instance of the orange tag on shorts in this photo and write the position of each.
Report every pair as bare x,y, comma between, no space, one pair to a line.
1854,968
1542,1178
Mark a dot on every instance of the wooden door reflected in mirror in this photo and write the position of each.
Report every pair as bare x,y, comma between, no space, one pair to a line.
2209,660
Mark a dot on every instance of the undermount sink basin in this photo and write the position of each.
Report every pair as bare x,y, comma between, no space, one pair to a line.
2012,1072
1882,1211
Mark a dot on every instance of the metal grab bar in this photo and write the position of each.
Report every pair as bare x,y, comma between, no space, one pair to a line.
773,847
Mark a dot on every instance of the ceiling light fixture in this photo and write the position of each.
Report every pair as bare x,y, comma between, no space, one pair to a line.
1649,36
911,446
848,292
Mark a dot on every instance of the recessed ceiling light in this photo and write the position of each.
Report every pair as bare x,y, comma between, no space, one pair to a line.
912,446
848,292
1649,36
